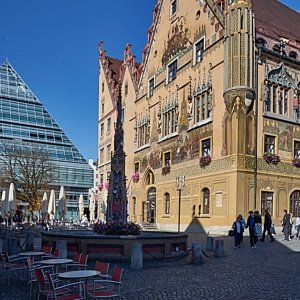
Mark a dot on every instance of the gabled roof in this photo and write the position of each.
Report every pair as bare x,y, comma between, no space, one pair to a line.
115,65
276,20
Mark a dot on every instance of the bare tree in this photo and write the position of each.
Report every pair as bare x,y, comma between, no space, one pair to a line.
30,168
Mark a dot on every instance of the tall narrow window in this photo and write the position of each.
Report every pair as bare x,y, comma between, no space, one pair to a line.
108,152
101,156
167,159
206,147
136,167
172,71
199,48
205,194
134,206
108,124
267,202
101,129
269,146
173,7
151,87
167,203
274,99
297,149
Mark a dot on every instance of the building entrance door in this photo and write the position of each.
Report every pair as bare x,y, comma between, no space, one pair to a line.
151,198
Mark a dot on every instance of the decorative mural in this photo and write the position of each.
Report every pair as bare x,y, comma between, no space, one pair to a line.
285,134
178,39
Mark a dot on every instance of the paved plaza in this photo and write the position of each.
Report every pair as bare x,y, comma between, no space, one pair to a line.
271,271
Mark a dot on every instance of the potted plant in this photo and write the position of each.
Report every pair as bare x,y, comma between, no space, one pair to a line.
271,158
296,162
106,185
166,169
100,186
204,160
136,177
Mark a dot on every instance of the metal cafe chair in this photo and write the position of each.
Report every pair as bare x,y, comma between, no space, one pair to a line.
109,288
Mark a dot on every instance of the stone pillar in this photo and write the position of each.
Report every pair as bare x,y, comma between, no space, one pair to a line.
219,249
136,256
62,246
197,254
210,243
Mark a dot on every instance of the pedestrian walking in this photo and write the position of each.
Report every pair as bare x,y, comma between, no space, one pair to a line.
250,224
267,226
238,228
297,227
286,224
291,227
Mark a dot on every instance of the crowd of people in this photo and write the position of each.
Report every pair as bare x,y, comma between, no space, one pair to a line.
258,231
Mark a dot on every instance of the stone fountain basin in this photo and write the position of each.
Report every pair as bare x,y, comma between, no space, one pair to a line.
117,247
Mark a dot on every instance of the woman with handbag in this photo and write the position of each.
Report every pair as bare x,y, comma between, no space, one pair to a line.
238,229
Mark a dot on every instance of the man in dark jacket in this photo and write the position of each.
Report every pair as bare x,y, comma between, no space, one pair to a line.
286,224
267,226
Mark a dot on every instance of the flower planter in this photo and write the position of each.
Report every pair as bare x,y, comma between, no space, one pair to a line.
296,162
135,177
204,161
271,158
165,170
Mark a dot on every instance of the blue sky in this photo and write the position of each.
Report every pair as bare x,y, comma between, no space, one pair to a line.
53,45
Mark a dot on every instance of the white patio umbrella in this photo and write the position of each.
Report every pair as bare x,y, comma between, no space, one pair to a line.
4,206
92,205
51,205
81,206
62,205
12,198
44,204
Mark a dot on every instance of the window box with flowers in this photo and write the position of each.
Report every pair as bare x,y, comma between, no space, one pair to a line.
135,177
100,186
296,162
106,185
204,161
166,170
271,158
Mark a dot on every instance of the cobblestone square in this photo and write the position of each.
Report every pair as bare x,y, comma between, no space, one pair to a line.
268,272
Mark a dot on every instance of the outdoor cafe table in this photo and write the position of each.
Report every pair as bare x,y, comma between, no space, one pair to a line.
57,262
32,253
80,274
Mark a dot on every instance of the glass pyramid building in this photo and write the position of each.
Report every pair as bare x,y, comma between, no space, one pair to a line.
24,118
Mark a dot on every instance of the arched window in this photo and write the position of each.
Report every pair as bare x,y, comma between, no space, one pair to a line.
295,204
167,203
205,195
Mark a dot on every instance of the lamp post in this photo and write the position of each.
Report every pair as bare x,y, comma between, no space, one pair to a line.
257,58
179,188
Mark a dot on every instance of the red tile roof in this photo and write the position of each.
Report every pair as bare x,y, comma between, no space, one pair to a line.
115,65
276,20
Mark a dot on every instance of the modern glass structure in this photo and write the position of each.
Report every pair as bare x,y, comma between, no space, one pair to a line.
24,118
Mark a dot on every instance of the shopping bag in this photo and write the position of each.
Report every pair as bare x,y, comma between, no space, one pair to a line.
231,232
272,229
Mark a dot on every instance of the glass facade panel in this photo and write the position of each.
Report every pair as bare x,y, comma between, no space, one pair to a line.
23,118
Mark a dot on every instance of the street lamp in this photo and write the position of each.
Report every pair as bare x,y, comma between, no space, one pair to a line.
179,188
257,58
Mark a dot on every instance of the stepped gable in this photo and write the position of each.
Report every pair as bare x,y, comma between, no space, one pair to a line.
276,20
130,62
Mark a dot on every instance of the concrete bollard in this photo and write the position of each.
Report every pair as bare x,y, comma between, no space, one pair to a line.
210,243
136,256
197,254
62,246
219,249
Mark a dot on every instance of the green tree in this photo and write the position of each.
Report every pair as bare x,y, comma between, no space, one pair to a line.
30,168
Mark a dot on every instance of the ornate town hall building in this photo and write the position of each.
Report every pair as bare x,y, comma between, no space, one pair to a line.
215,102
